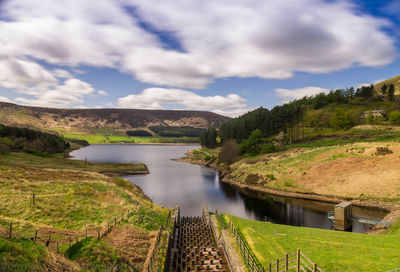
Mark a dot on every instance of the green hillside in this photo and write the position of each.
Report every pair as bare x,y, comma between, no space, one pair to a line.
394,80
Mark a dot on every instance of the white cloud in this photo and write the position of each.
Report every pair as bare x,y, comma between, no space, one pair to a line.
62,73
157,98
102,93
267,39
5,99
360,85
232,113
218,39
72,91
18,73
289,95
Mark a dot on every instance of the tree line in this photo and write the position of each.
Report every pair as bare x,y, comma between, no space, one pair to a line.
30,141
173,131
255,130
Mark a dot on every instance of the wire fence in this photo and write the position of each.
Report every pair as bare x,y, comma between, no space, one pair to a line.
248,255
66,242
161,247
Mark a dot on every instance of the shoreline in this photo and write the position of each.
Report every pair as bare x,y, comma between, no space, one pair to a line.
393,210
109,172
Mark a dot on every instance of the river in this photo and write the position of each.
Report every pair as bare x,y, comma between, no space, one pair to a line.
172,183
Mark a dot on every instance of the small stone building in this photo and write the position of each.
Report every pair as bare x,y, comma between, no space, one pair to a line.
375,113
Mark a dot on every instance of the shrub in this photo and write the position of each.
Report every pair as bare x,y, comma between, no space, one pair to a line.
394,117
342,119
252,144
267,148
229,152
4,149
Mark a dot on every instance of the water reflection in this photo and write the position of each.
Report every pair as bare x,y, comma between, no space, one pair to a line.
172,183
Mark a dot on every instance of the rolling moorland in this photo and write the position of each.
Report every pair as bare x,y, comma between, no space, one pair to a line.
108,125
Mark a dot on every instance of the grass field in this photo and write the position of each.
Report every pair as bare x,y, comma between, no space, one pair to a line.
331,250
69,201
105,139
59,162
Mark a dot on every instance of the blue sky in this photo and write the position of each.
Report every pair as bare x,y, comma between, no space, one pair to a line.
226,56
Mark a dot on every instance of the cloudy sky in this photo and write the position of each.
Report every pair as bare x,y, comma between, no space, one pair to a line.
226,56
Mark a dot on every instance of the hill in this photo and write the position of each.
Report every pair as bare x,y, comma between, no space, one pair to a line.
394,80
103,121
67,215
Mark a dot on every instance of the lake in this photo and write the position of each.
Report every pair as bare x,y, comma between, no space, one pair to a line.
190,186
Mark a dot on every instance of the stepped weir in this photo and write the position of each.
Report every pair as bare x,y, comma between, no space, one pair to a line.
194,247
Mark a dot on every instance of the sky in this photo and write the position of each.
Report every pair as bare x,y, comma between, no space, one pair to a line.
225,56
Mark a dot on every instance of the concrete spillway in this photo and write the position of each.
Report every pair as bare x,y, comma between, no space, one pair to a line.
194,247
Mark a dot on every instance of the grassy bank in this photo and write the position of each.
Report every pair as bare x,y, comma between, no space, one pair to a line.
331,250
59,162
343,164
70,198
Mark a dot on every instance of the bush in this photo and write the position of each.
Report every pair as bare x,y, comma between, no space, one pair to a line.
252,144
207,158
394,117
4,149
267,148
229,152
342,119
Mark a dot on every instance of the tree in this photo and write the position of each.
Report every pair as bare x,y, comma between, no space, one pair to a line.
394,117
384,88
342,119
253,143
208,138
229,152
391,92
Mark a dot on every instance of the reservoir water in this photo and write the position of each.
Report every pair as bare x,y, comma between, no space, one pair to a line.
172,183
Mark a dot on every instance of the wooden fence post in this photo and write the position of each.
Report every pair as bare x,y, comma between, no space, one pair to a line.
86,233
315,268
48,241
10,233
57,248
287,262
115,220
270,267
277,265
98,235
298,260
35,237
69,241
33,199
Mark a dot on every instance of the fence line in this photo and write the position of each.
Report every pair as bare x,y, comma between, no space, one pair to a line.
154,262
49,241
220,239
297,261
250,258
